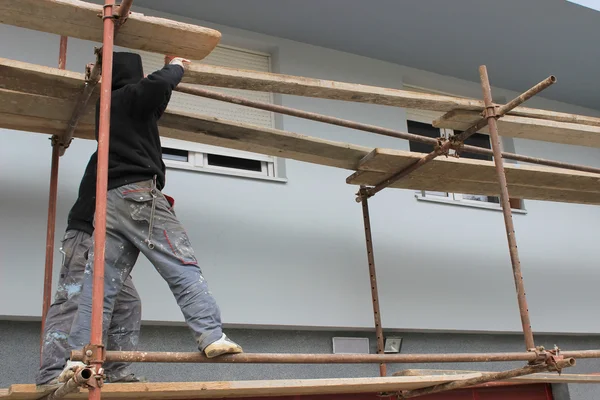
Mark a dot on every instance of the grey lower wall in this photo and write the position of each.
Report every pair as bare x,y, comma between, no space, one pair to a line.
19,357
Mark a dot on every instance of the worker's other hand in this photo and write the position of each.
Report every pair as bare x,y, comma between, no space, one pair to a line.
176,61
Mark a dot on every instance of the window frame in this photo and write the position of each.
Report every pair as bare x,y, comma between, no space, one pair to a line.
198,160
427,117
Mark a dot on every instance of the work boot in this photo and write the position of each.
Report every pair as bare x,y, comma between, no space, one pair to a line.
222,346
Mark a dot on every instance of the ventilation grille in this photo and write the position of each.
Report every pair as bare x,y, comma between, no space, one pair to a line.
348,345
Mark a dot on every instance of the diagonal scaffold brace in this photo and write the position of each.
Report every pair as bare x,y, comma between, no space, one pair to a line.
490,377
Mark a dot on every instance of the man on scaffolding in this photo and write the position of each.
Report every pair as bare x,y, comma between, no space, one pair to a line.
139,217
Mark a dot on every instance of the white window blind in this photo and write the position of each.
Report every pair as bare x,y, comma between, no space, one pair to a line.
224,57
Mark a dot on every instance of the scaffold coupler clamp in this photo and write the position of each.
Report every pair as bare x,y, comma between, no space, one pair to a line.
88,72
95,355
438,147
540,355
457,145
54,140
552,357
362,192
491,111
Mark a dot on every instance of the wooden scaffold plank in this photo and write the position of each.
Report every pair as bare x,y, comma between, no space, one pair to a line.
526,379
236,389
478,177
80,19
527,128
41,114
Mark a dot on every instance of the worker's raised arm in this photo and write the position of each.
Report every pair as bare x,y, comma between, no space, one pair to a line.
154,91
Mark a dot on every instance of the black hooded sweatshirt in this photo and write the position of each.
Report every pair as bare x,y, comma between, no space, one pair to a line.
135,154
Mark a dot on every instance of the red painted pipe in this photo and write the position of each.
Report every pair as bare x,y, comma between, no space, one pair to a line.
51,224
62,55
101,188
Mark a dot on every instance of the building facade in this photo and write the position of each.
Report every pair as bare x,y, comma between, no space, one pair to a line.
281,242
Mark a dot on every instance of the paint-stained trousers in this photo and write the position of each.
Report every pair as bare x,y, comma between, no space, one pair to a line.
123,329
140,219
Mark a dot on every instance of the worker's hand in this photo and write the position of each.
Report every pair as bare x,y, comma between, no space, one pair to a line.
176,61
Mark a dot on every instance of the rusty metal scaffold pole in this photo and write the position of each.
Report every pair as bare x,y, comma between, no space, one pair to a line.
196,357
373,279
491,115
52,200
95,350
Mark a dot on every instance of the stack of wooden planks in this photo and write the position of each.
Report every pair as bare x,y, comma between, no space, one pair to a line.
40,99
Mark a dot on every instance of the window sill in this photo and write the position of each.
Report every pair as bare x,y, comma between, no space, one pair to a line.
237,174
484,206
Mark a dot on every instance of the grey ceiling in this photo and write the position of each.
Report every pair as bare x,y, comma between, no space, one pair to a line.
521,41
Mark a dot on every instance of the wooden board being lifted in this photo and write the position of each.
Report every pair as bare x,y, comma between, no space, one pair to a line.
526,128
83,20
237,389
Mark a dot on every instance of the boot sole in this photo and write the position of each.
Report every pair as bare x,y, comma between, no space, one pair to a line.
219,351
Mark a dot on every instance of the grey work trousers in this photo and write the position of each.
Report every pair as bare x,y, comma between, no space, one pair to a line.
124,327
140,219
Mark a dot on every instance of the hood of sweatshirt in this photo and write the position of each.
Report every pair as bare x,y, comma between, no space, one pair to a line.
127,69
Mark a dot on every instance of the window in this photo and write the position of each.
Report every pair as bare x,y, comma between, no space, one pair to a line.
204,158
192,156
420,123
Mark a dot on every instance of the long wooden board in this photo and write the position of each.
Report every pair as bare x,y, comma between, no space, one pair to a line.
236,389
478,177
533,378
41,114
81,20
294,85
527,128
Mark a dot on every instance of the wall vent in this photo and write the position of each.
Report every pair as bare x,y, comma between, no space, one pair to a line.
350,345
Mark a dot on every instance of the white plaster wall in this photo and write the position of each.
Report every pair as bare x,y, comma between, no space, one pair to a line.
294,254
